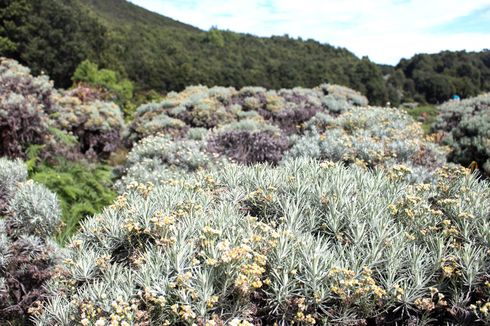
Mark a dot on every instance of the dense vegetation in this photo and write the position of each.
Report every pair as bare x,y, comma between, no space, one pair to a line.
160,54
28,256
465,126
435,78
50,36
238,206
61,138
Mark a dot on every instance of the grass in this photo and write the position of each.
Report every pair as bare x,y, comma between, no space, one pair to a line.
427,112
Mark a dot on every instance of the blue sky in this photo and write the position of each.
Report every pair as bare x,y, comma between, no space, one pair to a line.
384,30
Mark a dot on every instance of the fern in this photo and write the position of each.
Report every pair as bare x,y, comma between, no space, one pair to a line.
82,190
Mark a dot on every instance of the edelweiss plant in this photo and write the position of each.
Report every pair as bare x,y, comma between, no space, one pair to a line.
305,242
466,129
369,137
202,107
98,126
29,215
25,102
157,158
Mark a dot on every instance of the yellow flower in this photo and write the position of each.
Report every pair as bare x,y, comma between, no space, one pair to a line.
186,312
256,284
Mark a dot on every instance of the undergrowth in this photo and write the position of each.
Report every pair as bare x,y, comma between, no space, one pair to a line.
83,189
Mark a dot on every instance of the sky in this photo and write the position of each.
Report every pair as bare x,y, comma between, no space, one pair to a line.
383,30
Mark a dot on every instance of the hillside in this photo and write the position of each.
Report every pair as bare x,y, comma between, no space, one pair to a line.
161,54
433,78
124,12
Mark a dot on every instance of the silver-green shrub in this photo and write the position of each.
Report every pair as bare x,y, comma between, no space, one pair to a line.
99,126
466,128
159,157
12,172
30,208
203,107
306,242
341,96
370,137
33,209
4,246
29,217
25,101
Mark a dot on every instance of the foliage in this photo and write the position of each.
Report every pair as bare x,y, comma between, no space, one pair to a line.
202,107
99,126
27,256
434,78
424,113
88,73
82,190
24,102
51,36
369,137
33,209
249,147
466,128
306,242
27,105
157,158
156,52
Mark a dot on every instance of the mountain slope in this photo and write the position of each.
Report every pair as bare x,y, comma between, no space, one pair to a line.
159,53
162,54
124,12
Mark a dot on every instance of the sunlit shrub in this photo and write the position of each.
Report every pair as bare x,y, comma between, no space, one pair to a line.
33,209
202,107
306,242
369,137
343,95
159,157
466,128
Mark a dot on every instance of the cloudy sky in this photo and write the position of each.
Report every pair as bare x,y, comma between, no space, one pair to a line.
384,30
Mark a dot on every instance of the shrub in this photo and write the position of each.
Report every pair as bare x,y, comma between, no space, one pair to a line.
99,126
369,137
249,147
304,242
466,128
33,209
11,173
107,81
150,120
202,107
24,103
27,256
157,158
343,95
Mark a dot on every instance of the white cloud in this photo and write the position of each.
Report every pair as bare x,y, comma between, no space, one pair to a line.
385,30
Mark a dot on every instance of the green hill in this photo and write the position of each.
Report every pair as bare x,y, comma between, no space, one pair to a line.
434,78
162,54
